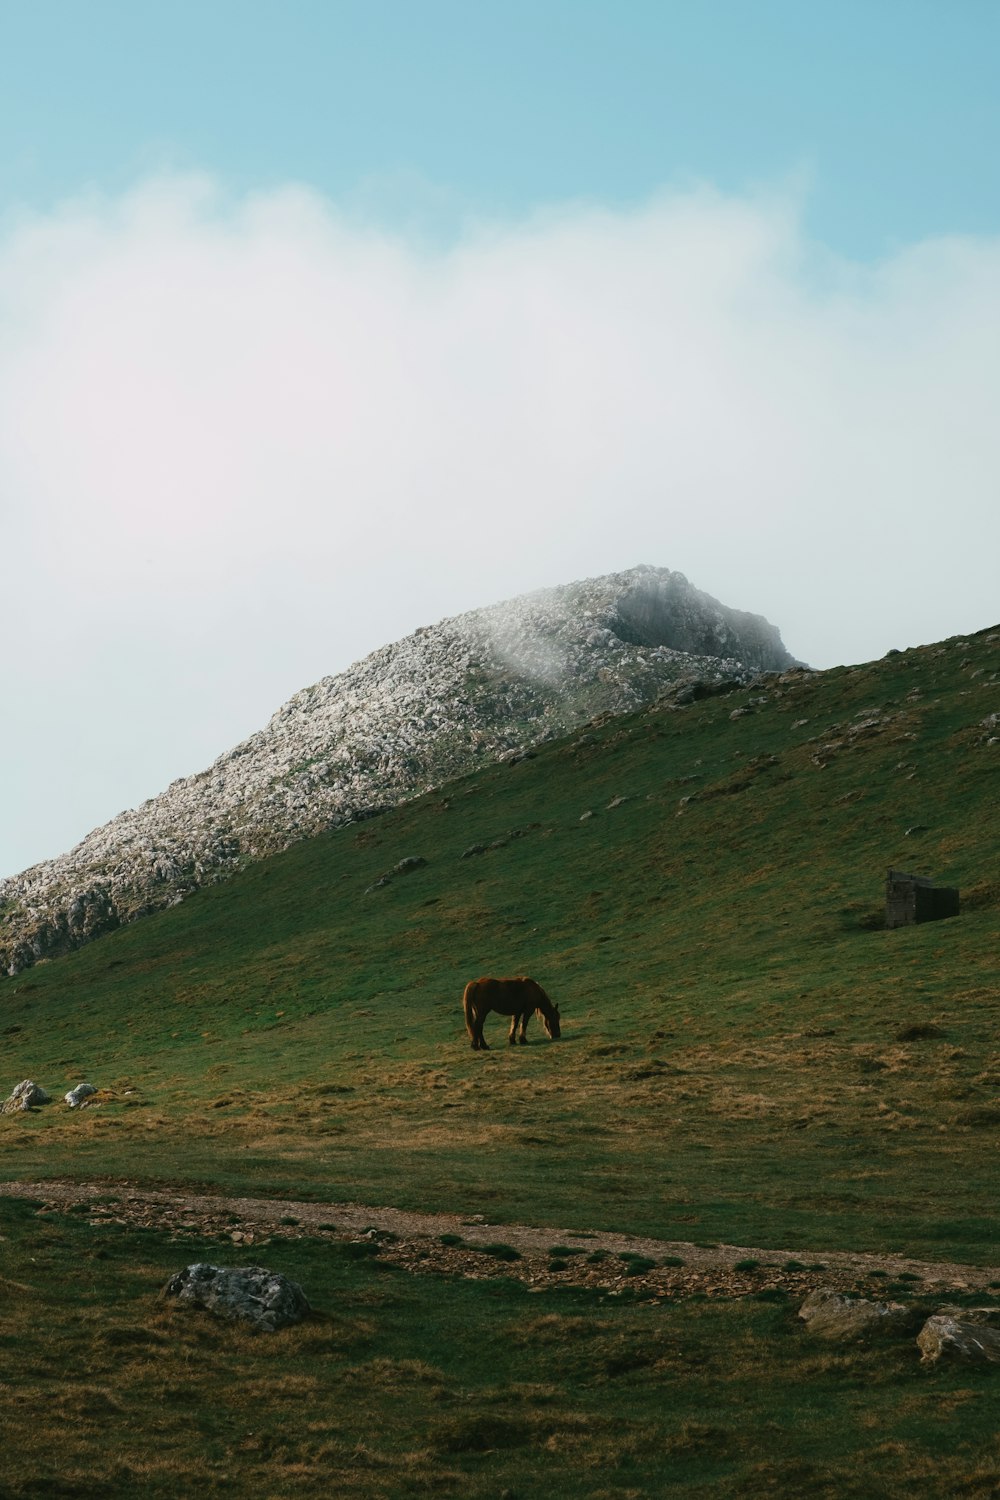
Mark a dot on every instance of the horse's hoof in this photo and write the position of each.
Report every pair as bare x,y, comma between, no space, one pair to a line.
523,1040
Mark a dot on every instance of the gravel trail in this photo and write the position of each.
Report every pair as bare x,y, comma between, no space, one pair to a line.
414,1240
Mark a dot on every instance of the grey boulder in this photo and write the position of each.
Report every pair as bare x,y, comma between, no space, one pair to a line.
76,1096
25,1096
971,1343
264,1299
831,1315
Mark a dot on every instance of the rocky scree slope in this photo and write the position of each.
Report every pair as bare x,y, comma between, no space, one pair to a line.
410,716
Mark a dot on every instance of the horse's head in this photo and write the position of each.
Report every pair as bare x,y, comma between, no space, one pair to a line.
551,1023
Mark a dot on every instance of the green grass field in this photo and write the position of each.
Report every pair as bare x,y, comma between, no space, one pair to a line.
731,1065
747,1056
403,1384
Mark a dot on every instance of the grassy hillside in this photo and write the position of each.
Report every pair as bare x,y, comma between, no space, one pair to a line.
746,1055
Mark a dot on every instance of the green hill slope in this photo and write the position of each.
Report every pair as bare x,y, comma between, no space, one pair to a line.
746,1054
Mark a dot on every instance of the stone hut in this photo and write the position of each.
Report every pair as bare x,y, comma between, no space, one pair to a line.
914,898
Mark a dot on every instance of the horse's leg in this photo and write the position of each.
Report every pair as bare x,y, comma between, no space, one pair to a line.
512,1035
524,1018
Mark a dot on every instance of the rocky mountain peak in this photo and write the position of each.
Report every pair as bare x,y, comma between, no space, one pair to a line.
408,717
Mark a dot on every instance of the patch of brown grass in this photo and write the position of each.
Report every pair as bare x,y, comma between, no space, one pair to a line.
396,1374
555,1328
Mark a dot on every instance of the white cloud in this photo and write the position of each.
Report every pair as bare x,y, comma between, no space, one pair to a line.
243,442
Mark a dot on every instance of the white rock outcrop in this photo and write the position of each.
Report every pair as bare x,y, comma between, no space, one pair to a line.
77,1096
406,718
25,1095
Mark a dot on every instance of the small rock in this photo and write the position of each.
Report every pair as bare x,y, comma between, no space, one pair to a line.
944,1337
740,713
404,867
76,1096
830,1315
27,1095
687,694
617,802
241,1294
586,815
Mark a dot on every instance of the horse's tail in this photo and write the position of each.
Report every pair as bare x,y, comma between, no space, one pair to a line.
468,1006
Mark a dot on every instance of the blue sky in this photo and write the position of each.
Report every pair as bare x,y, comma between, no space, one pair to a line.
320,322
886,110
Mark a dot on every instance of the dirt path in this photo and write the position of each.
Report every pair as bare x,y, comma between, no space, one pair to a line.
414,1240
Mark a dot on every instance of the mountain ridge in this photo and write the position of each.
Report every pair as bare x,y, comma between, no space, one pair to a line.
412,714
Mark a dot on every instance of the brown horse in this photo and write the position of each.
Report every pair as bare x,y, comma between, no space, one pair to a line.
516,998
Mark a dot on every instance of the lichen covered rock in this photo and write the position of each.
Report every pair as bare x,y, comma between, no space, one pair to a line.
76,1096
241,1294
967,1342
842,1319
26,1095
